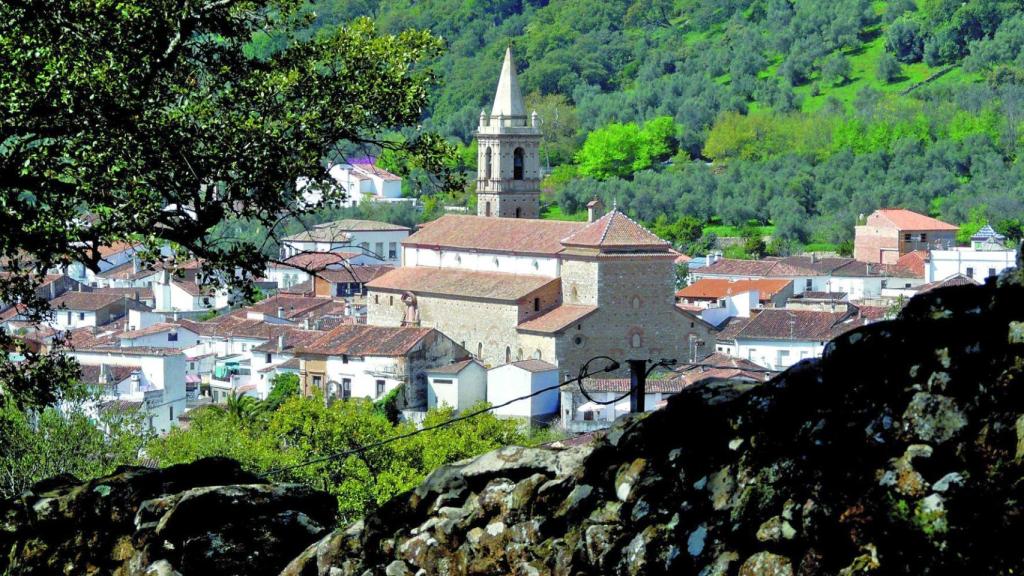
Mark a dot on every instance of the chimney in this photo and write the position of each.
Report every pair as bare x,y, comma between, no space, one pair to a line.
53,290
135,265
280,342
306,323
280,311
137,298
594,209
814,257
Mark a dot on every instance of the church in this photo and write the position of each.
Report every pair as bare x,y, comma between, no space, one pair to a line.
508,286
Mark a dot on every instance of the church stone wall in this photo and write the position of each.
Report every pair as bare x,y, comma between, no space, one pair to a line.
579,282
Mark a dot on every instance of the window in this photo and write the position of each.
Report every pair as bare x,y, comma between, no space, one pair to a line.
519,354
508,355
69,319
172,336
365,246
487,166
344,358
636,341
443,381
346,388
391,300
270,357
81,315
245,347
392,250
376,298
380,388
783,358
536,304
191,365
170,412
924,237
517,164
588,415
536,354
809,284
479,349
519,212
317,381
578,340
636,303
970,272
378,249
487,208
991,271
906,237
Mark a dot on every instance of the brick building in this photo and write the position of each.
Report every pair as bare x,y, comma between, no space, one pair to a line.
889,233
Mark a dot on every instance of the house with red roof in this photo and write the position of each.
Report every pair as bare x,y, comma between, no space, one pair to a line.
889,233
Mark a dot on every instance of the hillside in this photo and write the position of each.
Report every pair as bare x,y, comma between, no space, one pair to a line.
800,114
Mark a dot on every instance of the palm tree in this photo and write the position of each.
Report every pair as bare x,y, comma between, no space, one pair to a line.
245,409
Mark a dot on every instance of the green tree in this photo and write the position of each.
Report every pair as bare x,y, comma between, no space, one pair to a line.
977,218
888,69
157,121
836,69
282,387
81,436
609,151
560,125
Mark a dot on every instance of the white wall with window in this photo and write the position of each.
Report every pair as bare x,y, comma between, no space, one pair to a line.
482,261
977,264
777,354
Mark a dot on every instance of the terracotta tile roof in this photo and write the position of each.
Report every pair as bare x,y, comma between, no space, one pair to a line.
521,236
91,373
802,325
731,267
295,306
363,340
872,312
354,274
237,327
794,266
132,351
556,319
116,248
615,230
375,170
157,328
533,365
683,259
88,301
454,367
191,288
289,364
293,338
338,230
909,220
954,280
313,260
302,288
129,293
715,288
465,283
914,262
721,366
730,328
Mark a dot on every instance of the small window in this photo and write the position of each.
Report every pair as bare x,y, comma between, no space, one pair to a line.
378,249
536,304
970,272
536,354
636,341
636,303
170,412
270,357
479,349
519,212
81,315
317,381
344,358
906,237
924,237
517,164
508,354
245,347
443,381
376,299
809,284
172,336
578,340
380,388
346,388
392,250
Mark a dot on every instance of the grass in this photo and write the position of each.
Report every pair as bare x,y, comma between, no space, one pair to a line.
554,212
726,231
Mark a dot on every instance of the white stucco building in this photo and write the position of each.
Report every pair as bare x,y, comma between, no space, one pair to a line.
379,240
517,379
458,385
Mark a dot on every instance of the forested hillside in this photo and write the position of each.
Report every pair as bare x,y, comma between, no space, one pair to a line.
802,114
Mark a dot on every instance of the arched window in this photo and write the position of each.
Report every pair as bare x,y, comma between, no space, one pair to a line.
479,350
636,303
487,208
517,164
519,354
487,163
508,355
635,340
519,212
536,354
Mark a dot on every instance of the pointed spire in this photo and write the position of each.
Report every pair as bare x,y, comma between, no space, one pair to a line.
508,100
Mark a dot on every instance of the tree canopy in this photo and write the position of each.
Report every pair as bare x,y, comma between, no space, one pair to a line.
153,122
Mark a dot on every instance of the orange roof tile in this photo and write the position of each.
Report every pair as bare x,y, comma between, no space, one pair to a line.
909,220
914,262
521,236
708,288
365,340
616,230
449,282
557,319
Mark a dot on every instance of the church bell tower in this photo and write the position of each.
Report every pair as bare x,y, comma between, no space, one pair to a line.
508,161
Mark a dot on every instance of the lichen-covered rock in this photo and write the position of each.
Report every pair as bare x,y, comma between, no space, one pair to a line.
208,517
899,452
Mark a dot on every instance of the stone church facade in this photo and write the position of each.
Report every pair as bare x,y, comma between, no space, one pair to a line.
508,286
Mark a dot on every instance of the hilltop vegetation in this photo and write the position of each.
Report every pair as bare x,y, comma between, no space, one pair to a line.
803,114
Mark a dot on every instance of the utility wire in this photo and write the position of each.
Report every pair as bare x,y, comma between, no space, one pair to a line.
613,365
583,374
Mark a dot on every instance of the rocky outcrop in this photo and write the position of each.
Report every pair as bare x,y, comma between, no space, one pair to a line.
897,453
208,517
